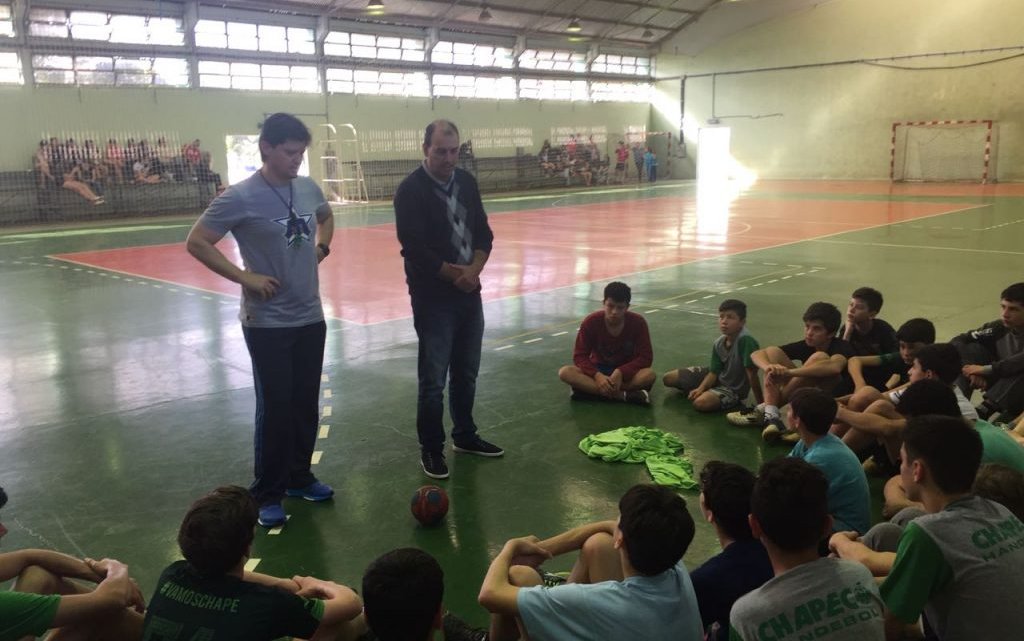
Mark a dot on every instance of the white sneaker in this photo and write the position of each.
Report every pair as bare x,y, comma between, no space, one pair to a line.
746,418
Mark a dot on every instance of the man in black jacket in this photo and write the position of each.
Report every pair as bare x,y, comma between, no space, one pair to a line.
446,241
993,358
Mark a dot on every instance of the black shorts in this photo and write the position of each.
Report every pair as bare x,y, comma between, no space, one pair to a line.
620,165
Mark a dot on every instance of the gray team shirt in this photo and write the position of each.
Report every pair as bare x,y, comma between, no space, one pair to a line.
273,245
831,599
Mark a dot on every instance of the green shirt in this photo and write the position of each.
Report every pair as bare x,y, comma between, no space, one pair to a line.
999,447
23,614
964,568
189,607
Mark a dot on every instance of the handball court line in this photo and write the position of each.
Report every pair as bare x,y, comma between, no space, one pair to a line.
540,251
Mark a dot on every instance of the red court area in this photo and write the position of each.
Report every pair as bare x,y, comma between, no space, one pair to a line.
543,249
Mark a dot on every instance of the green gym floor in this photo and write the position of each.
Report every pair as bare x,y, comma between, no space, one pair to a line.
125,387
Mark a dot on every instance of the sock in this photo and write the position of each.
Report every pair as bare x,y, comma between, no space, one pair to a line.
771,412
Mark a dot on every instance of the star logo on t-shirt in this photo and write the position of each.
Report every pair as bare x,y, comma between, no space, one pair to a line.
296,228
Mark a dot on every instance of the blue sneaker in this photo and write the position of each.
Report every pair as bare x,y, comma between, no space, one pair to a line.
315,491
272,515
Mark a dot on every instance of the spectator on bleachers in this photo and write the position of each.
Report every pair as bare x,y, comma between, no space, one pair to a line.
570,148
593,153
114,159
72,154
205,174
75,180
621,156
41,165
90,151
145,173
191,156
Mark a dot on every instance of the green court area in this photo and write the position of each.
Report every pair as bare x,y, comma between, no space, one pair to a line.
123,398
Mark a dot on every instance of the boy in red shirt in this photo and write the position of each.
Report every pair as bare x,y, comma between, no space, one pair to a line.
613,355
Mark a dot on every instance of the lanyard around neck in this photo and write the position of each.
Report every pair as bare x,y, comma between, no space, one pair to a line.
291,195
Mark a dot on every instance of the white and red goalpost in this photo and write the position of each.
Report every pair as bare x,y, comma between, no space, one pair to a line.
943,151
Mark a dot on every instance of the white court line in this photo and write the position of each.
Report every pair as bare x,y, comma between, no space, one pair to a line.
324,378
315,459
325,431
559,334
945,249
251,564
503,347
328,393
652,311
532,340
672,306
328,410
277,530
690,301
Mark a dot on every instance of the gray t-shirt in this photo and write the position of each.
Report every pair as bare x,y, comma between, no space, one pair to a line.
272,244
831,599
964,566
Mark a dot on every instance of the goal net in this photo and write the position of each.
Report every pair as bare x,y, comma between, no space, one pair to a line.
943,151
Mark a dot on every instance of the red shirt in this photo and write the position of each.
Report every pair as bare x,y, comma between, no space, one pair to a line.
629,352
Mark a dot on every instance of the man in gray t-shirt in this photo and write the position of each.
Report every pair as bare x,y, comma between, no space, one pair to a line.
283,228
810,597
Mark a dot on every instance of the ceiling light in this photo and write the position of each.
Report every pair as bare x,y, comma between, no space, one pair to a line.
485,14
647,33
574,26
375,5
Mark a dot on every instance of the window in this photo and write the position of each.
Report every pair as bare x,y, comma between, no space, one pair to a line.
503,88
620,91
550,60
471,55
107,70
362,45
10,69
6,22
628,65
551,89
378,83
258,77
107,27
245,36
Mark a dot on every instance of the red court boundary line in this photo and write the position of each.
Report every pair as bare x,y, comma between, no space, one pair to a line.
390,226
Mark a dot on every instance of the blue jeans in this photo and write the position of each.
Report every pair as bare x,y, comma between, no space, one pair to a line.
450,329
286,367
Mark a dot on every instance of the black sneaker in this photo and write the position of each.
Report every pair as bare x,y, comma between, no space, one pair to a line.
433,465
479,447
637,397
455,629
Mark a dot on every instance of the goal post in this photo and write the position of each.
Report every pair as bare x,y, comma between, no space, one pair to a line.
943,151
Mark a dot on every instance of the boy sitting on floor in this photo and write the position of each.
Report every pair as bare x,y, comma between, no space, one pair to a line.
823,360
732,374
613,355
628,582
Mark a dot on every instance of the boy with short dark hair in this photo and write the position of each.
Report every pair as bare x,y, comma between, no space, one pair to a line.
402,592
823,360
811,413
732,374
962,564
876,371
863,330
743,563
628,582
613,354
789,514
993,357
211,595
